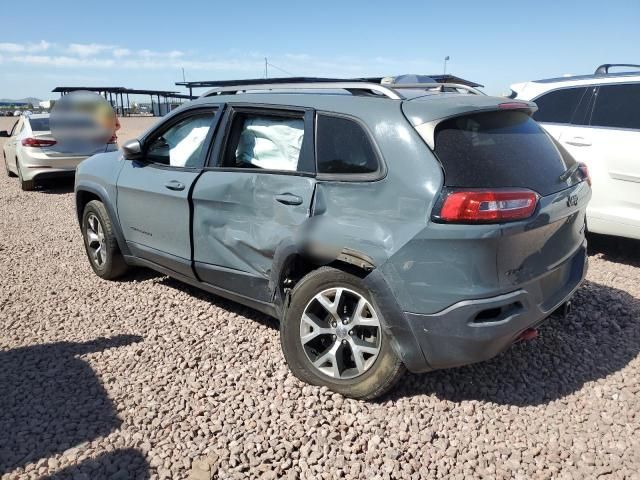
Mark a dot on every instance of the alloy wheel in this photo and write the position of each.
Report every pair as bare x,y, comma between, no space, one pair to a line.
340,333
95,240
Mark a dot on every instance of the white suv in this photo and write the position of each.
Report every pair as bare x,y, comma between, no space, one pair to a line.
597,119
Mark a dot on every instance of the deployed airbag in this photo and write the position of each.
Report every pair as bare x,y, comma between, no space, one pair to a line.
271,143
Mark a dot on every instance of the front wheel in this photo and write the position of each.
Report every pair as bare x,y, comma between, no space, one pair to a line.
332,335
100,242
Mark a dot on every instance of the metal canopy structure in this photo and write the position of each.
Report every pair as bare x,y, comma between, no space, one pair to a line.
285,80
116,97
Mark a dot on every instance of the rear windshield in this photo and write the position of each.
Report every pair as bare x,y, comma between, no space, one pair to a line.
500,149
39,124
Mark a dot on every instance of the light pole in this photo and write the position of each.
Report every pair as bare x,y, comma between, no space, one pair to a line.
446,59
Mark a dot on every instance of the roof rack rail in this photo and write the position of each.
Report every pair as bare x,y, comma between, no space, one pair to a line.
355,87
438,85
604,69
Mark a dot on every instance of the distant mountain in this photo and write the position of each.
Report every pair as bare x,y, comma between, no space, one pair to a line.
32,100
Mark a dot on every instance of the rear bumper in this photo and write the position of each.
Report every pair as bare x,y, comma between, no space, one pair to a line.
41,173
472,331
621,227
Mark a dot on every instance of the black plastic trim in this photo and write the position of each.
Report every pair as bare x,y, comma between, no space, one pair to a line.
242,283
396,324
174,263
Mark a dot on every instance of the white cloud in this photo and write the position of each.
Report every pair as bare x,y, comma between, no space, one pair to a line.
8,47
61,61
87,49
121,52
156,54
229,64
11,47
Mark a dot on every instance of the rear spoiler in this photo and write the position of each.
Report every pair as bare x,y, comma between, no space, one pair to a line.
427,129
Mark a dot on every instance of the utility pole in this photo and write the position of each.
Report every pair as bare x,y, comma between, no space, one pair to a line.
446,59
183,77
266,68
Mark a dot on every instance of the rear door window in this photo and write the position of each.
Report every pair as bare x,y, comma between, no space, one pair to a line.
558,106
500,149
266,142
344,147
617,106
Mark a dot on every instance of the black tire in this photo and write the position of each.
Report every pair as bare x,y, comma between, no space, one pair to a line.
387,368
113,264
6,166
26,185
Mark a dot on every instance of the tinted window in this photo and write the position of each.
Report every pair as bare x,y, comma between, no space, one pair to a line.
617,106
267,142
558,106
344,147
39,124
583,112
182,144
500,149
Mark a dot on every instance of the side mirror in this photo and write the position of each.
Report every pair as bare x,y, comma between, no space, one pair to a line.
4,133
132,150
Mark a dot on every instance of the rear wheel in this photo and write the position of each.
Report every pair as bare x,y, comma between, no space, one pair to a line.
6,166
332,336
26,185
100,242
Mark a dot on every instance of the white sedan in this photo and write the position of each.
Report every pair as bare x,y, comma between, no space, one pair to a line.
31,152
596,119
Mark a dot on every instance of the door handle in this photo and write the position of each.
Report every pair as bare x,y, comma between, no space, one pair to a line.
174,185
288,199
579,142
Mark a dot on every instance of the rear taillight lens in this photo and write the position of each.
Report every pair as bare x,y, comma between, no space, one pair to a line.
37,142
514,106
584,171
485,206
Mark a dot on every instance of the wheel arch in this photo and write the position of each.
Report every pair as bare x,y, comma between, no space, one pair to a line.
88,192
292,262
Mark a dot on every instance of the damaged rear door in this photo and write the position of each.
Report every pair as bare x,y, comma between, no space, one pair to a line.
256,193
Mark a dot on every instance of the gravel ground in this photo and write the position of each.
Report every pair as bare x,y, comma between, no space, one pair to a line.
148,378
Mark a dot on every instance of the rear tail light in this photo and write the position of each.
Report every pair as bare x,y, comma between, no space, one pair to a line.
37,142
485,206
584,171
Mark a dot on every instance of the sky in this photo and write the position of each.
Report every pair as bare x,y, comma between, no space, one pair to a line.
146,44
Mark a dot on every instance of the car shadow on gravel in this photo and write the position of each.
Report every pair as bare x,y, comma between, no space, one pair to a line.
615,249
139,274
126,464
600,337
221,302
51,400
56,187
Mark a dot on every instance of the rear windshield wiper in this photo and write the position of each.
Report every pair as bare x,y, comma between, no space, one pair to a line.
567,174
